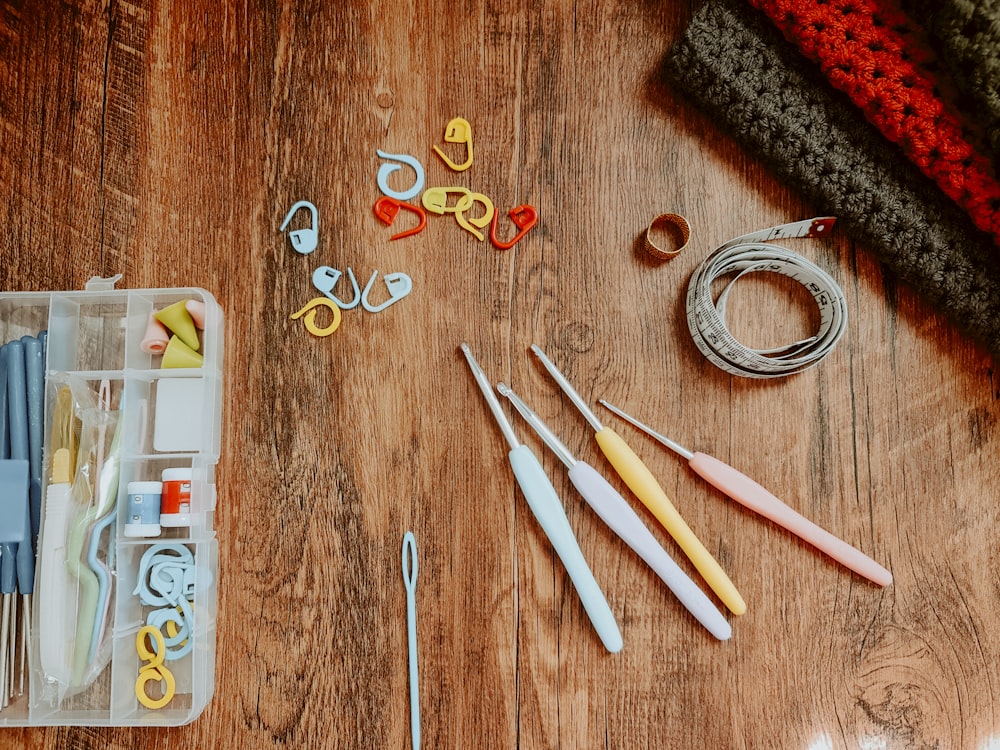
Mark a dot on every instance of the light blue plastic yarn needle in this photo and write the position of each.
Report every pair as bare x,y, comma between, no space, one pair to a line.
103,581
89,584
410,580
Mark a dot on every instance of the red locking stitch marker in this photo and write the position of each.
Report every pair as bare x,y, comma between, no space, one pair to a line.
524,218
386,209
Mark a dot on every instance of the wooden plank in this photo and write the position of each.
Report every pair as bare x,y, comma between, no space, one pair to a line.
167,142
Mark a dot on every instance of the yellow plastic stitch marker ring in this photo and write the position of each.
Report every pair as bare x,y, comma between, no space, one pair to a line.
477,221
435,200
154,670
309,311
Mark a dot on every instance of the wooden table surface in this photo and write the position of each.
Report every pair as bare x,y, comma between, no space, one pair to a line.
167,141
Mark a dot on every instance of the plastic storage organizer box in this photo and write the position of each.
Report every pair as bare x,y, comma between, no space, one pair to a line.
170,419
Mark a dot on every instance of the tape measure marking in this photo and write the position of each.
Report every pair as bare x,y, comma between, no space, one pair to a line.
745,255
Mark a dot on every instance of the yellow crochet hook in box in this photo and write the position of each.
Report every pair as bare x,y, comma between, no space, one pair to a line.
645,487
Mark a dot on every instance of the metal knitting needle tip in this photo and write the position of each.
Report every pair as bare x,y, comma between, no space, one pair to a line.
491,400
25,642
546,434
675,447
568,389
12,643
4,635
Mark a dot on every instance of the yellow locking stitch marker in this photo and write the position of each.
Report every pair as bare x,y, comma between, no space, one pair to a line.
458,130
435,200
642,482
154,670
478,221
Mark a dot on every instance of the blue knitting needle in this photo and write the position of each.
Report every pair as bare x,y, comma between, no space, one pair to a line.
17,414
8,547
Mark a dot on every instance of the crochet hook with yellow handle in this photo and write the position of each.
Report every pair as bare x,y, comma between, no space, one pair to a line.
644,485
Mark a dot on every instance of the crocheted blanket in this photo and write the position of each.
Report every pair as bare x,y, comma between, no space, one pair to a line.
870,50
966,35
736,65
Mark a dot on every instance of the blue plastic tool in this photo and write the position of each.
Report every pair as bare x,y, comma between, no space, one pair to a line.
410,566
325,279
387,169
103,573
303,241
34,391
34,369
88,583
17,414
398,284
17,559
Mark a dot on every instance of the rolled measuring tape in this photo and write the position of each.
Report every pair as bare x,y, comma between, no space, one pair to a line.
745,255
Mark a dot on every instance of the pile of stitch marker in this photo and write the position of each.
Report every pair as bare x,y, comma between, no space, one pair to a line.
167,581
324,278
434,199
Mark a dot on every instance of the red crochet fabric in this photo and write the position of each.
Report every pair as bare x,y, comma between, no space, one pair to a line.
870,50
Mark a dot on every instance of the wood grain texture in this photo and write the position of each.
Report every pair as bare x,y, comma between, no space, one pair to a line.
167,141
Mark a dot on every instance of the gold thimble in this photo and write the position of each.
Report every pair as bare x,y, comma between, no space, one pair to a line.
674,226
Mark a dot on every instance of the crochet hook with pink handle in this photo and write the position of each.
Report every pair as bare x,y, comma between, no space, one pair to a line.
746,491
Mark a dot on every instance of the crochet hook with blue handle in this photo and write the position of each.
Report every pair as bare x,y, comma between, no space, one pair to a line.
8,539
545,504
34,390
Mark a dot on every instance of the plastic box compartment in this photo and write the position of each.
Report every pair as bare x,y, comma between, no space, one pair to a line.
93,336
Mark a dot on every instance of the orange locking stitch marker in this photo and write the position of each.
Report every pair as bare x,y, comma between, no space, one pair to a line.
387,208
524,218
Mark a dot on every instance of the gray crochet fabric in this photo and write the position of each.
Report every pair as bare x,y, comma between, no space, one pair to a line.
776,104
966,35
